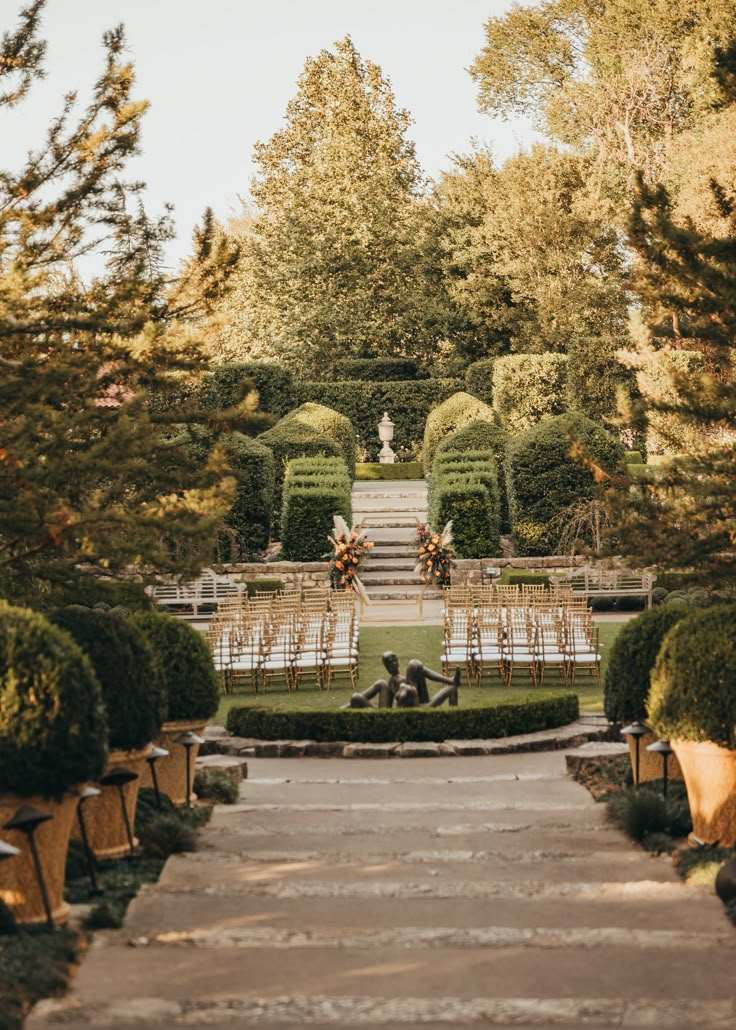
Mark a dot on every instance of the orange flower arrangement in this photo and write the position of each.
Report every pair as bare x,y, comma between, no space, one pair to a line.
349,549
434,555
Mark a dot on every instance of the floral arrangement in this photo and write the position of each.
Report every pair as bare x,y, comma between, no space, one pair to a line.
349,549
434,555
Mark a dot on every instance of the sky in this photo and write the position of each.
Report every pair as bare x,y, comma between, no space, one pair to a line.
219,73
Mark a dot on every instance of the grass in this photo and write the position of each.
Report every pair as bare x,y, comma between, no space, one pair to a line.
423,642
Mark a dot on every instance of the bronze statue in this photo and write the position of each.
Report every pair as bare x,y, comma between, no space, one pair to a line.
408,691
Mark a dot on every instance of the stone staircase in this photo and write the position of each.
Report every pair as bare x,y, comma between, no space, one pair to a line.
390,513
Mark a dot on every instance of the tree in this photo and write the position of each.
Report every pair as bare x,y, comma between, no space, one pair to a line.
529,264
90,478
617,79
333,262
683,514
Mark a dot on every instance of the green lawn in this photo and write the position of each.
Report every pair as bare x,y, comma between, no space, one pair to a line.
423,642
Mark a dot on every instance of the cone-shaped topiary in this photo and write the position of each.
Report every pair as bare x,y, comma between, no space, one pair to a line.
53,730
693,692
632,658
192,687
132,684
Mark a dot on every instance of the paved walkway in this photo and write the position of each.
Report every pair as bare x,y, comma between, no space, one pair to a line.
472,891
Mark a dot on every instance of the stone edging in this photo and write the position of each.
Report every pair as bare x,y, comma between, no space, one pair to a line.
587,728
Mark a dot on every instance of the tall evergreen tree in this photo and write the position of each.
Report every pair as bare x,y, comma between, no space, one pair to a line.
335,258
89,478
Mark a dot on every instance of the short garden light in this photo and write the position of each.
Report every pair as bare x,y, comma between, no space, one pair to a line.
87,793
636,730
662,747
27,820
118,778
153,756
188,740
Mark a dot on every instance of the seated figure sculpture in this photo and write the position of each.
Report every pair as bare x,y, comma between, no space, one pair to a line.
408,691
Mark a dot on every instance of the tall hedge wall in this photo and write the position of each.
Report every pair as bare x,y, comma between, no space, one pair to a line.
377,370
455,413
408,404
479,379
249,519
543,478
667,432
595,376
528,388
223,386
481,436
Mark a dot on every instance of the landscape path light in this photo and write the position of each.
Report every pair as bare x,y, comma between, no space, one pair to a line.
663,748
88,792
637,730
188,740
153,756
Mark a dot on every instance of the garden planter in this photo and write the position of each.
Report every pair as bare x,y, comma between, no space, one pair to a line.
709,772
19,887
650,763
103,816
171,772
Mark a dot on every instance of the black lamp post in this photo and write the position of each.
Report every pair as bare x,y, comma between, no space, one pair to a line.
662,747
27,820
87,793
636,730
188,740
153,756
118,778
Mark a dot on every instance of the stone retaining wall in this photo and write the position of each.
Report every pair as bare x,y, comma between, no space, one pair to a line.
295,574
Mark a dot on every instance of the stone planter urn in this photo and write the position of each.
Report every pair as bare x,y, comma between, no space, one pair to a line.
19,887
103,815
709,772
171,772
386,434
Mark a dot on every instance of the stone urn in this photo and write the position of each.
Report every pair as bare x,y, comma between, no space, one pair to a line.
19,887
386,434
709,772
171,772
103,815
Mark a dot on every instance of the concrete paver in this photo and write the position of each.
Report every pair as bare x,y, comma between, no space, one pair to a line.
484,891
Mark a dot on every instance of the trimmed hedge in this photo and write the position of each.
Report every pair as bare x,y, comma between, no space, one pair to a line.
479,379
53,728
288,440
331,423
408,403
482,436
595,376
668,432
223,386
271,586
377,370
455,413
472,505
692,694
633,458
250,517
454,464
185,660
528,388
374,471
385,725
133,690
511,577
542,478
632,658
308,507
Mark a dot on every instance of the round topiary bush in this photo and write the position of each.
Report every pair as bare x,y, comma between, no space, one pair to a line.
692,695
320,419
453,414
132,685
632,657
53,730
191,684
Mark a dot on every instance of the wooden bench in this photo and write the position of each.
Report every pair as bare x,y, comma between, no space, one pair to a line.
189,597
593,582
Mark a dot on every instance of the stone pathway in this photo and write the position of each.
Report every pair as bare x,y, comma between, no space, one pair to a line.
481,891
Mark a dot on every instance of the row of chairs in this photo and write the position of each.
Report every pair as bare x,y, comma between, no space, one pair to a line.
286,636
519,630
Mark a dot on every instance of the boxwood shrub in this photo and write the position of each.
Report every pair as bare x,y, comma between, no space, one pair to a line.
692,694
222,387
595,376
185,660
249,519
632,658
331,423
543,478
528,388
265,585
456,412
472,505
454,464
288,440
377,370
384,725
511,576
408,404
306,519
53,727
133,690
479,379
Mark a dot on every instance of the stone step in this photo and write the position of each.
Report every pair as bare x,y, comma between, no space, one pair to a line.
390,487
371,578
390,564
397,592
